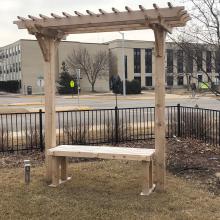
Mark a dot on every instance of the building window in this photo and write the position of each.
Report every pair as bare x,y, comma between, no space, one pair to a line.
137,60
199,78
199,60
19,66
126,67
16,50
169,61
148,60
148,80
138,78
19,49
180,61
189,63
170,80
13,67
208,61
16,67
180,80
217,61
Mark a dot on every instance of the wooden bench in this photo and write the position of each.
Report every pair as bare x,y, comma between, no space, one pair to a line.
59,156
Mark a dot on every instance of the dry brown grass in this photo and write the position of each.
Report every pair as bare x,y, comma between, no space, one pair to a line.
102,190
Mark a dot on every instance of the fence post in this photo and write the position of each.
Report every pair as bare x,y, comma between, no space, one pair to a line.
116,124
41,131
178,120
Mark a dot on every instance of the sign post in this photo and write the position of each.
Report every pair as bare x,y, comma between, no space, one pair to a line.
40,83
78,81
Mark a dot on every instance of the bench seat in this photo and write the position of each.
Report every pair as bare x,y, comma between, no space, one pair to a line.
60,153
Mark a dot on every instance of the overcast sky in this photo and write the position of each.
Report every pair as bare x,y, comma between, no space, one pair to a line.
10,9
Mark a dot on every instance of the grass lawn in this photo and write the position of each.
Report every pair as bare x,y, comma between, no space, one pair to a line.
102,190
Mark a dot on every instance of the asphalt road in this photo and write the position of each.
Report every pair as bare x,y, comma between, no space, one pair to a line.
108,101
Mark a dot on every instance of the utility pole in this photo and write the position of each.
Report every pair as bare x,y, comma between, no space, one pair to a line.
78,82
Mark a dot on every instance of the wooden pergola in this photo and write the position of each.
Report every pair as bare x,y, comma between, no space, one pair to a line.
49,31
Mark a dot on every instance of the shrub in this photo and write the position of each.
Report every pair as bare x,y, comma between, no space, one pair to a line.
12,86
132,87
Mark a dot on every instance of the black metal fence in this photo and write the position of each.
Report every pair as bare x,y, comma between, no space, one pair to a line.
25,131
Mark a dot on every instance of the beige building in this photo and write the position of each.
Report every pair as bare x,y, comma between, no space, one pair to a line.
23,61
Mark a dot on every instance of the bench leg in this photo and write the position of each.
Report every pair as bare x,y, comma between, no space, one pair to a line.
63,162
148,186
55,171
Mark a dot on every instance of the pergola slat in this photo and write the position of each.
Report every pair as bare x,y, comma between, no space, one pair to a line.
21,18
67,14
128,9
142,8
102,11
169,4
44,17
56,16
155,6
115,10
33,18
90,12
78,13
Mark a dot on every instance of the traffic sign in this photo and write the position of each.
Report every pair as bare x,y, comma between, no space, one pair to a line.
72,84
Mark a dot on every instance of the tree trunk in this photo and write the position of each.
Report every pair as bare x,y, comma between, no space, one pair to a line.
93,87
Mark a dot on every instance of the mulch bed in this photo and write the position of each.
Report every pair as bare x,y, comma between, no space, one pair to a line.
190,159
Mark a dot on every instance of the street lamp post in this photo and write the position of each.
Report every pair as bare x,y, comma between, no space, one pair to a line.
123,62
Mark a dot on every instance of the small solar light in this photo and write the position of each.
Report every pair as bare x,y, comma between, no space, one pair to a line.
27,171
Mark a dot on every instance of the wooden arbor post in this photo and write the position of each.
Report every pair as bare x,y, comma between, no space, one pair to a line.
160,129
49,45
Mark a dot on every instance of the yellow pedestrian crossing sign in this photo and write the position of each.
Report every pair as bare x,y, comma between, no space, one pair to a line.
72,84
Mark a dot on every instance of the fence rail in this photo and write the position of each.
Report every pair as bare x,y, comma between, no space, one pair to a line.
25,131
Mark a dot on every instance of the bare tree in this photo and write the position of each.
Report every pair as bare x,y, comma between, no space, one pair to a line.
93,66
202,34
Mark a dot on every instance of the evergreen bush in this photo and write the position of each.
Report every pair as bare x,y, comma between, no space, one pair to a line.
63,83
